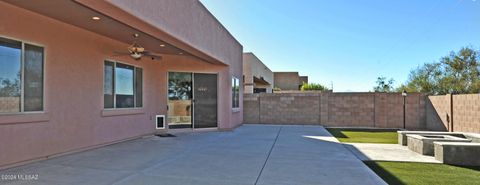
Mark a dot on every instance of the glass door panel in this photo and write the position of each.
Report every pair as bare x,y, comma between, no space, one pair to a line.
179,100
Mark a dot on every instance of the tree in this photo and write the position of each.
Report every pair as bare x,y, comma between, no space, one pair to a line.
313,87
462,72
459,72
10,87
424,79
383,85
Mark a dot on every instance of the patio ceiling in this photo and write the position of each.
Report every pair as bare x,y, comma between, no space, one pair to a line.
76,14
260,81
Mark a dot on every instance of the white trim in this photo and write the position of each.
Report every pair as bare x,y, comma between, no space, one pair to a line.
114,86
193,101
156,122
233,94
22,79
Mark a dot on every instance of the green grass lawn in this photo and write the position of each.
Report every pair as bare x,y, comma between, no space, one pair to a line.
424,173
364,135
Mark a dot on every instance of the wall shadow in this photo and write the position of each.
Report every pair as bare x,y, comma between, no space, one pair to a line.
383,173
476,168
336,132
433,119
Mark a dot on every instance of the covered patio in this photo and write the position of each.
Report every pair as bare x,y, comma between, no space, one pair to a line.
102,74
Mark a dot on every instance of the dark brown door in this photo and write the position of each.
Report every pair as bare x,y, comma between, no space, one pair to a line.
205,100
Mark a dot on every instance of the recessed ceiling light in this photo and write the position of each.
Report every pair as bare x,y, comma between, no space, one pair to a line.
162,45
96,18
180,53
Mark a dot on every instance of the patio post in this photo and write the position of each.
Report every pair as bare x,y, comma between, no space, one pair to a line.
404,95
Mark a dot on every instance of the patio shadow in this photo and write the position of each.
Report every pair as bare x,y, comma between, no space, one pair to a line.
337,132
383,173
476,168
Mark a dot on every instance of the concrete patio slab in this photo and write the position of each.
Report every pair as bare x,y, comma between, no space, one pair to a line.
252,154
387,152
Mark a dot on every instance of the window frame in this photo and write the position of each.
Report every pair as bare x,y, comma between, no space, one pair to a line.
22,76
234,85
114,86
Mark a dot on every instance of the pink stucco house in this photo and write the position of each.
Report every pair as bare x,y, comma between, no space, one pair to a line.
74,74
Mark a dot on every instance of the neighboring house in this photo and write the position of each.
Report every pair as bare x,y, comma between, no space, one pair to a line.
258,78
289,81
303,79
66,84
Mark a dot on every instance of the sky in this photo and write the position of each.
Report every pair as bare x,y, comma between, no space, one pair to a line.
9,70
349,43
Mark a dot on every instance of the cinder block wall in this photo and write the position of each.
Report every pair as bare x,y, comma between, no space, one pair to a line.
251,108
351,109
466,113
384,110
458,113
289,108
438,112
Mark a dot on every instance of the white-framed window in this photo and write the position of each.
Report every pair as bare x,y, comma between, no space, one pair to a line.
21,77
235,92
122,86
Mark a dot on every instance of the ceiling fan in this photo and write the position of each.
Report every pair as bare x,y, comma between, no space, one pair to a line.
137,52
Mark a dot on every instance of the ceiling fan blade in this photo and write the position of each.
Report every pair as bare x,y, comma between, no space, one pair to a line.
116,53
153,55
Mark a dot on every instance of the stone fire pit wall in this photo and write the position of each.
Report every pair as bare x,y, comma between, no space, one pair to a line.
454,153
424,144
402,135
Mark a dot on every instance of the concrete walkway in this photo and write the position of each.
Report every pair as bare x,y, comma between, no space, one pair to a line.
387,152
252,154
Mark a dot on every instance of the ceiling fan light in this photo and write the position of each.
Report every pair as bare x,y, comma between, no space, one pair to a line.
136,55
136,49
140,49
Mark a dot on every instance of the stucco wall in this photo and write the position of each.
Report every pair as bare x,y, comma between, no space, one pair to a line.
287,80
384,110
189,21
74,118
252,66
185,24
